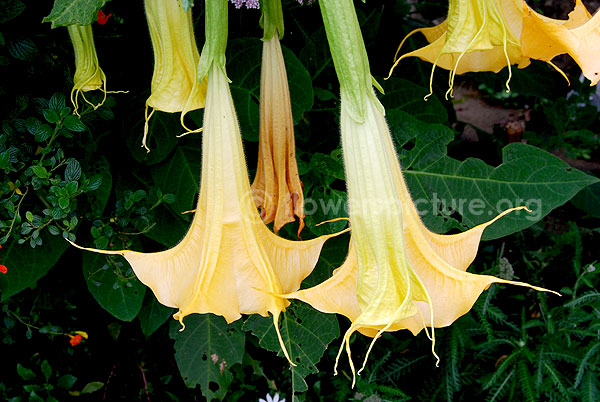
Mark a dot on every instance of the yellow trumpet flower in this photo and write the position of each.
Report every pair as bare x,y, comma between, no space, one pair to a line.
175,87
398,274
88,74
476,36
277,187
229,263
579,36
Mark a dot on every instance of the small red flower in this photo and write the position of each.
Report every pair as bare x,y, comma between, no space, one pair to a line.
3,269
103,18
76,340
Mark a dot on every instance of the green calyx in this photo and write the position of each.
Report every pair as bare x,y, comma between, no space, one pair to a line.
216,37
271,18
349,55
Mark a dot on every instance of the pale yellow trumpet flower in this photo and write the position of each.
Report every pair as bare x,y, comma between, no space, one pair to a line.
88,74
398,274
544,38
229,263
476,36
175,86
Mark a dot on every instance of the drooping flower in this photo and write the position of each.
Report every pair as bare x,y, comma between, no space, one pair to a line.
3,269
174,85
398,275
229,263
88,74
544,38
489,35
277,187
476,36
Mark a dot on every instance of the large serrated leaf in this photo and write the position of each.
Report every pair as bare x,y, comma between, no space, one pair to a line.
179,174
408,96
153,314
74,12
112,283
26,265
205,350
443,187
588,200
163,129
332,257
306,333
169,227
243,68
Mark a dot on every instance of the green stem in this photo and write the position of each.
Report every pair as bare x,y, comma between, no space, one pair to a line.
52,138
31,326
12,223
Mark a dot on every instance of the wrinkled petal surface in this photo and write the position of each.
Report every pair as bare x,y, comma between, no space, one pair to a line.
277,188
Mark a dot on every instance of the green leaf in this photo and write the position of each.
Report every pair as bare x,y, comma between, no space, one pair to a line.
99,197
66,381
153,314
57,102
180,174
23,49
169,227
407,96
73,170
205,351
589,387
163,129
91,387
588,200
73,123
40,172
447,190
306,333
51,116
26,267
74,12
46,370
25,373
323,205
10,9
332,256
243,68
247,109
107,279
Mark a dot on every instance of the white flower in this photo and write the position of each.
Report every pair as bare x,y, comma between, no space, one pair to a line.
272,399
